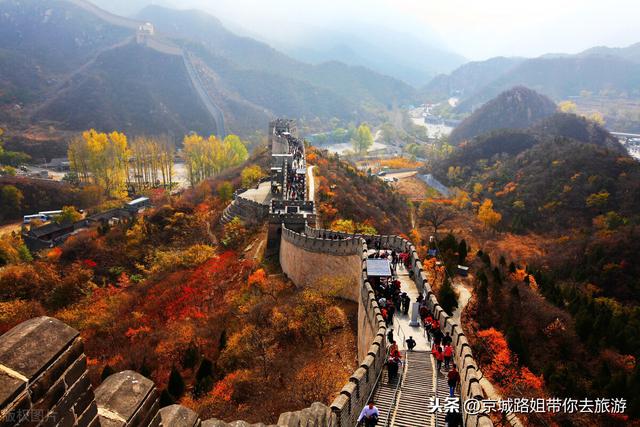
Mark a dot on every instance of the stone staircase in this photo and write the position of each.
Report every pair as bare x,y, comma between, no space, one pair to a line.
385,396
408,405
415,391
229,213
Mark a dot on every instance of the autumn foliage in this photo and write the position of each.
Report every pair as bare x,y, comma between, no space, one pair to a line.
501,366
346,193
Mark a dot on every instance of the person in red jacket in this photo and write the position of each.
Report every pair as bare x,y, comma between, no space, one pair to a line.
436,351
394,351
453,378
448,355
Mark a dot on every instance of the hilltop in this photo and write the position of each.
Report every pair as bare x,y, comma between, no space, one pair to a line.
466,79
517,108
346,193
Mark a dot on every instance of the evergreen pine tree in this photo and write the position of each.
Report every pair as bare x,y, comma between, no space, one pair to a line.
176,386
462,252
107,372
447,297
166,399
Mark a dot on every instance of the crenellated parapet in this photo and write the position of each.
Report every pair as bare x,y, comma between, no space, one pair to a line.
297,250
350,246
469,371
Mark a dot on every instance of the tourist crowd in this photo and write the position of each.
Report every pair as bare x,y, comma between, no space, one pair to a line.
393,301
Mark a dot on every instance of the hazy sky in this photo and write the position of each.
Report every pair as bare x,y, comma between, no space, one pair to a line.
477,29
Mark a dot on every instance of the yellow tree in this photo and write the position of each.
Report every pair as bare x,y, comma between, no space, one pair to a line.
234,152
489,217
152,159
597,117
205,158
78,154
568,107
363,139
195,158
251,175
104,158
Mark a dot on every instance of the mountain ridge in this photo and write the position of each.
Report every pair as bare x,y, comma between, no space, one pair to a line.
250,79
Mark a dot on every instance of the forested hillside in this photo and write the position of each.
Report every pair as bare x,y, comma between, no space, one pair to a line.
134,89
563,170
552,212
366,203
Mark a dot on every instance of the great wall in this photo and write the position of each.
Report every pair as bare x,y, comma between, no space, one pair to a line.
43,369
145,35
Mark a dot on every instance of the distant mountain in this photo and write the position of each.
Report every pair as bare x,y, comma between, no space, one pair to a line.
69,65
133,89
43,42
399,55
631,53
563,77
345,81
614,72
468,78
517,108
128,7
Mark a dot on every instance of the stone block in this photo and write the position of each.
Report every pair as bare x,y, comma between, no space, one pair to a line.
215,423
339,404
178,416
89,417
349,389
30,347
121,396
10,389
289,419
17,410
368,362
359,376
56,369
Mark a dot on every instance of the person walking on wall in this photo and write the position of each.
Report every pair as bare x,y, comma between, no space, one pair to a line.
453,419
406,300
453,378
446,339
411,343
436,351
391,310
393,365
369,415
448,355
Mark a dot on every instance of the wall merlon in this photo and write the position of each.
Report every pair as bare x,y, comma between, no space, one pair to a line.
127,399
43,371
179,416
